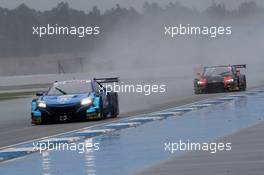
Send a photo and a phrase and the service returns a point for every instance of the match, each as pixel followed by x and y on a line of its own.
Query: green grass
pixel 14 95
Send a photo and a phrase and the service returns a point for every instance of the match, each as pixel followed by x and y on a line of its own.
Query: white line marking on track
pixel 146 118
pixel 62 139
pixel 96 131
pixel 125 124
pixel 166 113
pixel 10 150
pixel 201 105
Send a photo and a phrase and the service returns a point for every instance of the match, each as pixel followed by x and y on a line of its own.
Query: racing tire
pixel 102 113
pixel 243 86
pixel 197 92
pixel 44 121
pixel 113 104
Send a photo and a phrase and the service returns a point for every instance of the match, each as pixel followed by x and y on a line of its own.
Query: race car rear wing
pixel 100 81
pixel 240 66
pixel 106 80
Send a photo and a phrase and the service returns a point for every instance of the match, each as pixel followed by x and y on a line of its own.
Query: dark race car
pixel 75 100
pixel 220 79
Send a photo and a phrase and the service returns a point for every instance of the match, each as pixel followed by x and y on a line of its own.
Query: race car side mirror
pixel 39 94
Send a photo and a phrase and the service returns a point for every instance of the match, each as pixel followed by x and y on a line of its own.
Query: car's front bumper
pixel 50 114
pixel 217 87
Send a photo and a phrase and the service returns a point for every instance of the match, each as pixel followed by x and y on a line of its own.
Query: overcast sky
pixel 103 4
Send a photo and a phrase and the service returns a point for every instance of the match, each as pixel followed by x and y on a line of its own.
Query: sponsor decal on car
pixel 64 98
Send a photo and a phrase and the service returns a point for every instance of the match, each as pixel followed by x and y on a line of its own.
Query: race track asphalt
pixel 16 127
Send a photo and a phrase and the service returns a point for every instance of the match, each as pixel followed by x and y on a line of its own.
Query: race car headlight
pixel 86 101
pixel 202 82
pixel 42 104
pixel 230 80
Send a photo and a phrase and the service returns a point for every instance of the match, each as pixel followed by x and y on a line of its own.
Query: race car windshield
pixel 217 71
pixel 70 88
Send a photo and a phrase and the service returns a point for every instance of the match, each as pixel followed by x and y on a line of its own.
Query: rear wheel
pixel 113 104
pixel 102 113
pixel 243 84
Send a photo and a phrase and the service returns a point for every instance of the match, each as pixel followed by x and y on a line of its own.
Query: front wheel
pixel 42 121
pixel 196 92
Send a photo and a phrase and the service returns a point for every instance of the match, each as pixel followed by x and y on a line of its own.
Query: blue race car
pixel 75 100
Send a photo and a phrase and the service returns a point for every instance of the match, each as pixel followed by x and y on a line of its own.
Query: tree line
pixel 16 39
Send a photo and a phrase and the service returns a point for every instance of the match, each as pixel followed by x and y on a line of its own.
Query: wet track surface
pixel 15 126
pixel 246 157
pixel 137 144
